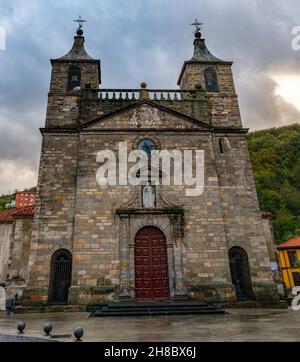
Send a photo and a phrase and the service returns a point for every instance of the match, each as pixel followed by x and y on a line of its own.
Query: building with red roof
pixel 15 238
pixel 8 216
pixel 289 257
pixel 291 244
pixel 25 198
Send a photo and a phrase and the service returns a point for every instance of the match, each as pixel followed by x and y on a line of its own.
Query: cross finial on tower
pixel 197 24
pixel 80 21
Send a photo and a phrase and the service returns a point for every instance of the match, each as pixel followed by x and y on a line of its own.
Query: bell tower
pixel 215 77
pixel 70 74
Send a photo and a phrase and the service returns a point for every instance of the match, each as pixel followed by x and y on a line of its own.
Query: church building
pixel 92 243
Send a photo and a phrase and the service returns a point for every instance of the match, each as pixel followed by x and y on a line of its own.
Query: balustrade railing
pixel 135 94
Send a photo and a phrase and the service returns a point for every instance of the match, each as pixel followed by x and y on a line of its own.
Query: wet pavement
pixel 18 339
pixel 241 325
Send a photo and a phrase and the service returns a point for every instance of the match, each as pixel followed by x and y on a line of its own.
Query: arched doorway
pixel 151 265
pixel 60 277
pixel 240 273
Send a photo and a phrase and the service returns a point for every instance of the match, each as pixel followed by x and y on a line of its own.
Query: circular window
pixel 147 146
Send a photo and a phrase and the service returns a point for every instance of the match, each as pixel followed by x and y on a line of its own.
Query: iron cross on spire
pixel 80 21
pixel 197 24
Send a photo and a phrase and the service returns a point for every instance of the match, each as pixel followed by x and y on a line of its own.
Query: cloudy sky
pixel 141 40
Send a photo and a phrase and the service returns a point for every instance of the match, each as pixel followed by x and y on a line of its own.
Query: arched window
pixel 74 77
pixel 60 277
pixel 211 80
pixel 240 273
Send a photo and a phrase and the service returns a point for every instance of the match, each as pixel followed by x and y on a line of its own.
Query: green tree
pixel 275 155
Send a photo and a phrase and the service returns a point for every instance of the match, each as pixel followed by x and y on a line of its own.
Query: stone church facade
pixel 94 243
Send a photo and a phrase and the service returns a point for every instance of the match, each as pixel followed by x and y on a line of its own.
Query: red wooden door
pixel 151 265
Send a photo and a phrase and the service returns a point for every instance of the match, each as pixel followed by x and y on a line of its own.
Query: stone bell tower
pixel 74 71
pixel 215 76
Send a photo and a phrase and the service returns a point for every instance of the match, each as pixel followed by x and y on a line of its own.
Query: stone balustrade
pixel 136 94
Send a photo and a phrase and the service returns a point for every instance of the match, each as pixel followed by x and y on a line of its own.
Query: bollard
pixel 78 333
pixel 21 327
pixel 48 328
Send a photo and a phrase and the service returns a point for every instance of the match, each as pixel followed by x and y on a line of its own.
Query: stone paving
pixel 18 339
pixel 251 325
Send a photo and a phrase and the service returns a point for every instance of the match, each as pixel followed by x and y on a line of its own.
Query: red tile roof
pixel 24 211
pixel 291 244
pixel 7 217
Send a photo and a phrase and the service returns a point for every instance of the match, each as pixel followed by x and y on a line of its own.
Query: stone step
pixel 160 308
pixel 140 305
pixel 128 313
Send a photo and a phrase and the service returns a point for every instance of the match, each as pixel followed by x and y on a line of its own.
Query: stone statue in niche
pixel 148 196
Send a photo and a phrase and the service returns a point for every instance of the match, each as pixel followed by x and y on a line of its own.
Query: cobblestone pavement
pixel 237 325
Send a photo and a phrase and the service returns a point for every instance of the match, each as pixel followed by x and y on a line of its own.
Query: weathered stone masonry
pixel 98 225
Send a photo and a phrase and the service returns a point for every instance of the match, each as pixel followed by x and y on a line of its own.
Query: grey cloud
pixel 138 40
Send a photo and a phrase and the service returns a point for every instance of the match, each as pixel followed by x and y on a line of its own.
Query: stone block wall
pixel 224 104
pixel 244 225
pixel 15 238
pixel 77 214
pixel 96 241
pixel 54 223
pixel 194 104
pixel 5 243
pixel 20 246
pixel 63 105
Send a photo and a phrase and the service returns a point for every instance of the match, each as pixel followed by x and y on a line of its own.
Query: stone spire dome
pixel 78 51
pixel 201 53
pixel 74 71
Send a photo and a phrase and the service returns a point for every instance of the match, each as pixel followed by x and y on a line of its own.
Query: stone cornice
pixel 58 130
pixel 169 210
pixel 73 130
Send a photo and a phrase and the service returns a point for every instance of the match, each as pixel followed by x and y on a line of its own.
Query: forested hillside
pixel 275 155
pixel 4 199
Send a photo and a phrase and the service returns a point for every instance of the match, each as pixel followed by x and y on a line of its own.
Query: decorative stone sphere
pixel 79 32
pixel 144 85
pixel 21 327
pixel 78 333
pixel 48 328
pixel 198 35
